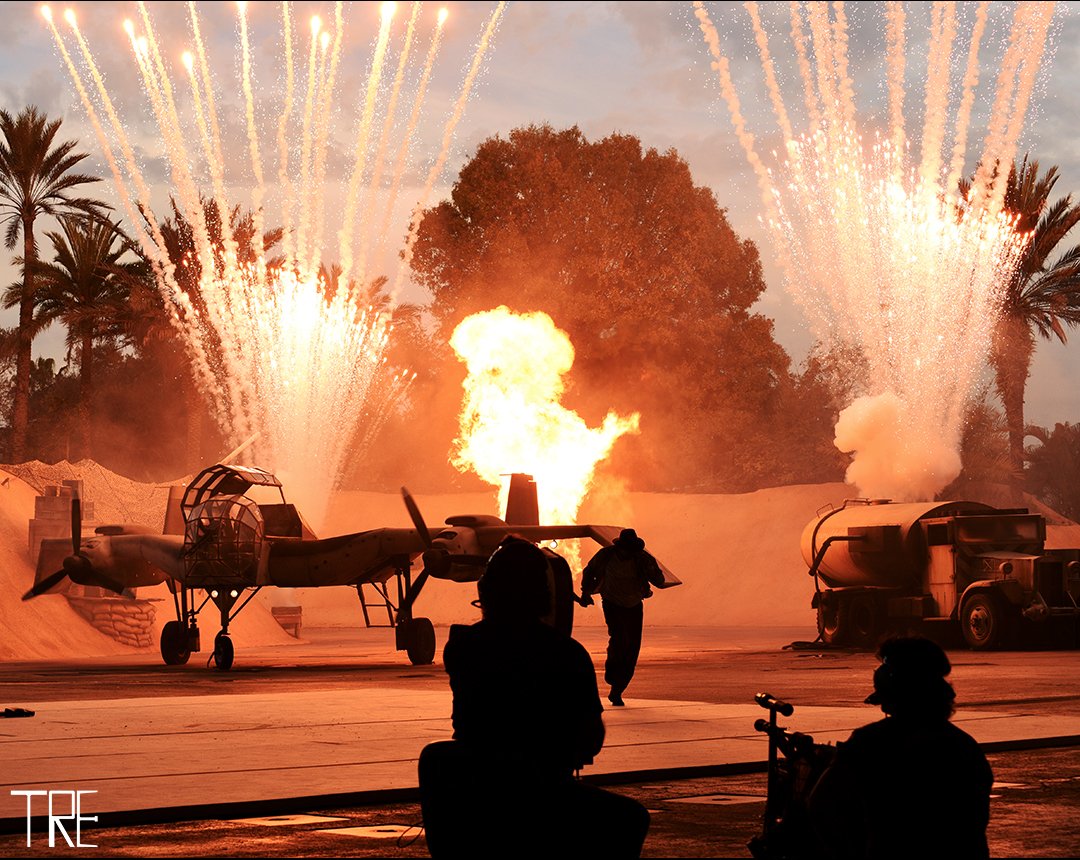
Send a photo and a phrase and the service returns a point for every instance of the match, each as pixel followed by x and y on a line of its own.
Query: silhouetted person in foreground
pixel 622 573
pixel 526 716
pixel 912 784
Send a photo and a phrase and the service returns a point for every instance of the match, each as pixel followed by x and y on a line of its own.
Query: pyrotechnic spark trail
pixel 410 127
pixel 345 236
pixel 307 200
pixel 879 248
pixel 284 179
pixel 327 103
pixel 384 137
pixel 208 84
pixel 163 267
pixel 275 352
pixel 448 137
pixel 971 81
pixel 258 192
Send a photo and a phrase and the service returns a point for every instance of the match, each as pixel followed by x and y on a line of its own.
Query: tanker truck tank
pixel 874 543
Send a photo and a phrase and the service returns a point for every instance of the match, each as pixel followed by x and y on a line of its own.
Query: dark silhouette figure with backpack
pixel 912 784
pixel 526 716
pixel 622 573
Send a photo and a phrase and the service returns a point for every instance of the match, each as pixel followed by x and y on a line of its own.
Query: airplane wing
pixel 114 529
pixel 113 561
pixel 368 556
pixel 603 535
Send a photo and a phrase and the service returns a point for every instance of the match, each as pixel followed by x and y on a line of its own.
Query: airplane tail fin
pixel 521 505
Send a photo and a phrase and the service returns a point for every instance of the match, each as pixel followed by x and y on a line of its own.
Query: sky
pixel 638 68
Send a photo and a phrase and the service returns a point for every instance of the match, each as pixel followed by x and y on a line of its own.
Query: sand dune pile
pixel 42 628
pixel 116 499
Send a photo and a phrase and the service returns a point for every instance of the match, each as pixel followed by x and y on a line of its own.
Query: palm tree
pixel 1041 296
pixel 86 288
pixel 35 179
pixel 1054 467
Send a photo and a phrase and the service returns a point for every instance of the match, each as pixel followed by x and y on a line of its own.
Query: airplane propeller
pixel 438 559
pixel 76 566
pixel 434 559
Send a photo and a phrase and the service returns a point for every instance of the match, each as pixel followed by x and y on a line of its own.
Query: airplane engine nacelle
pixel 224 541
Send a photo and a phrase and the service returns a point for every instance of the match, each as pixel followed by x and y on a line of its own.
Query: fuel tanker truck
pixel 879 565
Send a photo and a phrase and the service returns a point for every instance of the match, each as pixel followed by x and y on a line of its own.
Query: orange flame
pixel 511 418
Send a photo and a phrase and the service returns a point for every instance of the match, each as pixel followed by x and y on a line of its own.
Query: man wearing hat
pixel 912 784
pixel 622 573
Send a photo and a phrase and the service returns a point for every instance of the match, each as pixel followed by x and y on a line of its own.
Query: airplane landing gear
pixel 417 636
pixel 223 651
pixel 414 636
pixel 175 647
pixel 180 638
pixel 222 658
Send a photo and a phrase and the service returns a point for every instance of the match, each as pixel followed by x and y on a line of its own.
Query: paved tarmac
pixel 155 754
pixel 223 748
pixel 1033 813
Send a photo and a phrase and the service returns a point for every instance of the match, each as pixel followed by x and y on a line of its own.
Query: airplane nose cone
pixel 76 564
pixel 436 563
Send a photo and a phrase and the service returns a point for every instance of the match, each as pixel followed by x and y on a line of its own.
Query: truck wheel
pixel 863 620
pixel 984 621
pixel 830 623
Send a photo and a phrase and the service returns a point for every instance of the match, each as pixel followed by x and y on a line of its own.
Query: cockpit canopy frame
pixel 225 480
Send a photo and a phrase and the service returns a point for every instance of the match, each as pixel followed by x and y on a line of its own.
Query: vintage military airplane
pixel 231 544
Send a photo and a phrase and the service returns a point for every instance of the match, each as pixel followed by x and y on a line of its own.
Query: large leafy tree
pixel 86 288
pixel 36 178
pixel 642 269
pixel 1042 297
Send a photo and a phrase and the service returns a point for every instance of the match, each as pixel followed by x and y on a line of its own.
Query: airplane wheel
pixel 420 642
pixel 223 652
pixel 175 649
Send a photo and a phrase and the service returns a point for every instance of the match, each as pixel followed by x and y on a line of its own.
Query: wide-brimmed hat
pixel 628 539
pixel 911 668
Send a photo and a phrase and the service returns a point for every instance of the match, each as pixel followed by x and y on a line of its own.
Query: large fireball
pixel 511 417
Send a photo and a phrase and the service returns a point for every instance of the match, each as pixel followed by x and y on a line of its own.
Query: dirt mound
pixel 47 626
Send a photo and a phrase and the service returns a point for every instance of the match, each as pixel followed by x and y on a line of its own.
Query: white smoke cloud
pixel 897 455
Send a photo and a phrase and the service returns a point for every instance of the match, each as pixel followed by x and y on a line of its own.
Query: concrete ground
pixel 1033 814
pixel 332 728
